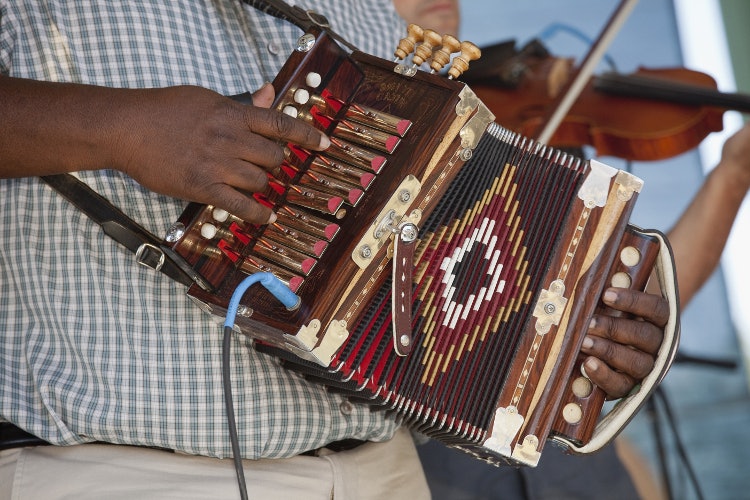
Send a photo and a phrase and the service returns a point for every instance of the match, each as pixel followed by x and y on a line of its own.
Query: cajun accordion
pixel 447 268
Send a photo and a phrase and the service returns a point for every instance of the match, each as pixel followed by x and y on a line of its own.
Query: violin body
pixel 632 128
pixel 628 123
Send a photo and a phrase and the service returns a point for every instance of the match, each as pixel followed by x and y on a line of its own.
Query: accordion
pixel 447 268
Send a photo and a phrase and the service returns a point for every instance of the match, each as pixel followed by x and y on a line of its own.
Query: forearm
pixel 699 236
pixel 57 127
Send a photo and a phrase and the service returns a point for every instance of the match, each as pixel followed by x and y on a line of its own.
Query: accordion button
pixel 208 231
pixel 572 413
pixel 220 215
pixel 621 280
pixel 582 387
pixel 301 96
pixel 630 256
pixel 313 79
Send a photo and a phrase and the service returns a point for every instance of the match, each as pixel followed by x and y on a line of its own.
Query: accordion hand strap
pixel 614 421
pixel 404 244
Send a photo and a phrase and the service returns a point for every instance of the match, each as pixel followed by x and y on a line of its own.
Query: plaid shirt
pixel 96 347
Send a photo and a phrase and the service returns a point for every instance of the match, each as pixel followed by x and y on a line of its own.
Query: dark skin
pixel 186 142
pixel 194 144
pixel 627 346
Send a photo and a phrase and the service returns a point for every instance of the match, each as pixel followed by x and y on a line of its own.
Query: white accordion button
pixel 313 79
pixel 208 231
pixel 301 96
pixel 621 280
pixel 630 256
pixel 572 413
pixel 291 111
pixel 220 215
pixel 582 387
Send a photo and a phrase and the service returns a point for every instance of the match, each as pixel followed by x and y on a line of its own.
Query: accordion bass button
pixel 220 215
pixel 582 387
pixel 301 96
pixel 621 280
pixel 630 256
pixel 572 413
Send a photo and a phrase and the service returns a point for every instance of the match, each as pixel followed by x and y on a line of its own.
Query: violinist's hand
pixel 194 144
pixel 622 351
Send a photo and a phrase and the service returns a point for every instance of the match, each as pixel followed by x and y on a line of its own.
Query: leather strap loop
pixel 404 245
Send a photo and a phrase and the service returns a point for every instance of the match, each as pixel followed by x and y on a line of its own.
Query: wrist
pixel 732 176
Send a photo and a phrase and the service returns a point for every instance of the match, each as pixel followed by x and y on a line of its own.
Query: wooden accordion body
pixel 516 243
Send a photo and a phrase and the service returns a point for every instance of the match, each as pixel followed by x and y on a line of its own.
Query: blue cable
pixel 271 283
pixel 291 301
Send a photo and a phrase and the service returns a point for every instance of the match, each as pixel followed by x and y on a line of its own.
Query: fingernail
pixel 271 218
pixel 324 142
pixel 610 296
pixel 592 323
pixel 588 342
pixel 592 364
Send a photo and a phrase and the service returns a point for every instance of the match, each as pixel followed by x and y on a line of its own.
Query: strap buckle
pixel 151 256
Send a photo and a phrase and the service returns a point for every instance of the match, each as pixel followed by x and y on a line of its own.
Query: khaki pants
pixel 93 471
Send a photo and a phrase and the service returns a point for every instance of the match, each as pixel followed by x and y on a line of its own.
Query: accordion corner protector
pixel 309 345
pixel 475 127
pixel 628 184
pixel 505 428
pixel 527 452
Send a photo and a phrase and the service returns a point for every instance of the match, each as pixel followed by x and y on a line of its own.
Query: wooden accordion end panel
pixel 397 141
pixel 516 243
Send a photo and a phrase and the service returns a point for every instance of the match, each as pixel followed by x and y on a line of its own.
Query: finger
pixel 615 384
pixel 653 308
pixel 619 357
pixel 274 125
pixel 239 204
pixel 639 334
pixel 245 176
pixel 255 151
pixel 263 97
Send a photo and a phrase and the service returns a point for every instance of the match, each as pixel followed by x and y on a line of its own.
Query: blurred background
pixel 707 389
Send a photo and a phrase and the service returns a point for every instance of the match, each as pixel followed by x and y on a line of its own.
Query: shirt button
pixel 273 48
pixel 346 408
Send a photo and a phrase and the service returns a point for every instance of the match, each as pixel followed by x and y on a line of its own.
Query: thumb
pixel 263 97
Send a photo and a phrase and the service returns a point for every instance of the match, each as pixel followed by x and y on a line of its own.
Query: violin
pixel 651 114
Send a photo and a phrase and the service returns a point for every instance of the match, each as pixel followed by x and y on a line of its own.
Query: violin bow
pixel 574 88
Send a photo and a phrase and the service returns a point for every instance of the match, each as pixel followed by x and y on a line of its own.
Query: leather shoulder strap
pixel 149 250
pixel 304 19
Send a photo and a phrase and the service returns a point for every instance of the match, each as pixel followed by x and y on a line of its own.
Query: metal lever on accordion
pixel 614 422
